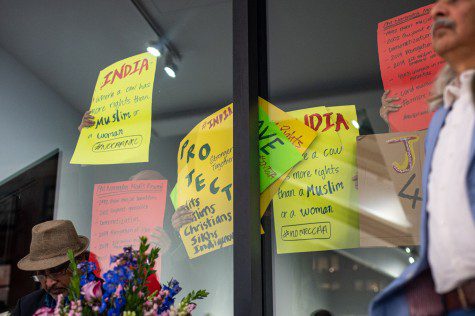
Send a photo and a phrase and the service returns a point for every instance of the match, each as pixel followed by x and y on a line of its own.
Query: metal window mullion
pixel 247 241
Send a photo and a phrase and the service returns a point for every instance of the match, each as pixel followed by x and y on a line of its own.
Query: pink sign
pixel 408 65
pixel 122 212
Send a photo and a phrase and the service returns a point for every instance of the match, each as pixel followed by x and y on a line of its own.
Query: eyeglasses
pixel 53 273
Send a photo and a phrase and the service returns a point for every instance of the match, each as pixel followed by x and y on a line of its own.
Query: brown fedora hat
pixel 50 242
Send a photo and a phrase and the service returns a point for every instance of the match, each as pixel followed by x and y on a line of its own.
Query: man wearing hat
pixel 48 260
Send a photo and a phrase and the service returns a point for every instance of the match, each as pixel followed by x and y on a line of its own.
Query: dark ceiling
pixel 315 47
pixel 325 47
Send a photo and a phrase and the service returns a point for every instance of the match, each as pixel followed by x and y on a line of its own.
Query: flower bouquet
pixel 123 290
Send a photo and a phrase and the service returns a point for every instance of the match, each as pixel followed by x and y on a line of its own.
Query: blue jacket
pixel 392 301
pixel 30 303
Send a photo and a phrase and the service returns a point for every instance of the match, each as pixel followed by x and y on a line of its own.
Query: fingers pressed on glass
pixel 392 99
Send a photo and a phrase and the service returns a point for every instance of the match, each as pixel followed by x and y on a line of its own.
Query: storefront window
pixel 117 187
pixel 123 119
pixel 346 217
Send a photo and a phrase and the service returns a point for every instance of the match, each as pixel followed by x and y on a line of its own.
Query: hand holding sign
pixel 160 238
pixel 87 120
pixel 387 106
pixel 182 216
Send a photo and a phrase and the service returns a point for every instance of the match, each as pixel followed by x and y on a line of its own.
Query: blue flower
pixel 113 259
pixel 113 312
pixel 87 272
pixel 174 285
pixel 103 306
pixel 173 289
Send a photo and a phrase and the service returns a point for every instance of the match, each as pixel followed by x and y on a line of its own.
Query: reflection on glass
pixel 354 227
pixel 49 93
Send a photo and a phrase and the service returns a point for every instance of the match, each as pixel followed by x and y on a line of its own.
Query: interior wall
pixel 35 121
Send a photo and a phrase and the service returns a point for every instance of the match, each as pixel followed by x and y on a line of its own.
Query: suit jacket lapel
pixel 431 141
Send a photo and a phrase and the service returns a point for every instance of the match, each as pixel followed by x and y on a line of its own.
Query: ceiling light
pixel 411 260
pixel 355 124
pixel 170 70
pixel 408 250
pixel 170 67
pixel 154 49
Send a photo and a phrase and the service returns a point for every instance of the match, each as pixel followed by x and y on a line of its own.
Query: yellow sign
pixel 314 209
pixel 300 135
pixel 122 110
pixel 205 183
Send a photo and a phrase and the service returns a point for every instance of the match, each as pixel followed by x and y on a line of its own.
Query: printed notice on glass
pixel 315 207
pixel 122 212
pixel 205 183
pixel 389 188
pixel 408 66
pixel 122 110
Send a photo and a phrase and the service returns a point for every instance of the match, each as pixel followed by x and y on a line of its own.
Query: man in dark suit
pixel 48 259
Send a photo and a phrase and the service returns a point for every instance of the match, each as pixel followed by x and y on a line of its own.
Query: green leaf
pixel 192 297
pixel 74 287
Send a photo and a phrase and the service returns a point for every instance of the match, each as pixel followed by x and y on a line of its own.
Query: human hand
pixel 87 120
pixel 160 238
pixel 182 216
pixel 387 106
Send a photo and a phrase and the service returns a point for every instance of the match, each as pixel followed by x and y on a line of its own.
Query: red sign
pixel 122 212
pixel 408 66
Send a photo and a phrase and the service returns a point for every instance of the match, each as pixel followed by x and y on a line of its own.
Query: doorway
pixel 26 199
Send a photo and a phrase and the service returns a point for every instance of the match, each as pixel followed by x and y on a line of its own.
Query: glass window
pixel 51 56
pixel 345 224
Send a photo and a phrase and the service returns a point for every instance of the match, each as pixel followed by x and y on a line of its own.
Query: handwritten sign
pixel 122 107
pixel 122 212
pixel 296 132
pixel 205 183
pixel 314 208
pixel 389 185
pixel 174 197
pixel 276 152
pixel 408 66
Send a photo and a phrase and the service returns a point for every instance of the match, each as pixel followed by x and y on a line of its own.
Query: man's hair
pixel 444 78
